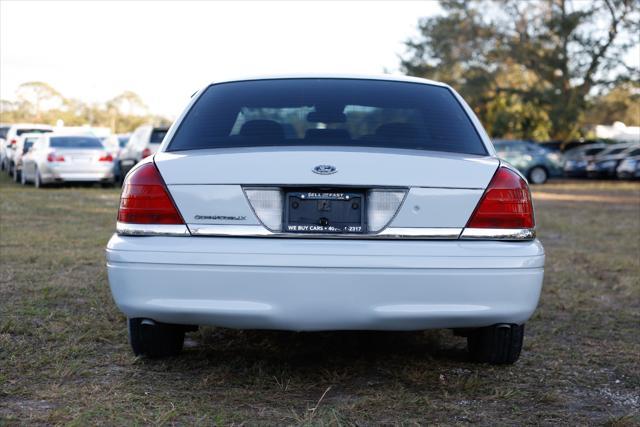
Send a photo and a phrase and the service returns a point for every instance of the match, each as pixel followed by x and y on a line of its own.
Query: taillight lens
pixel 106 158
pixel 145 199
pixel 13 142
pixel 146 153
pixel 53 157
pixel 505 204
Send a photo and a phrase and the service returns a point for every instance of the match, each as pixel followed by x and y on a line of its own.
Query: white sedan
pixel 57 158
pixel 327 203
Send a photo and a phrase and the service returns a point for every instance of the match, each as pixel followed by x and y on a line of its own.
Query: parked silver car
pixel 605 164
pixel 577 159
pixel 144 141
pixel 9 135
pixel 58 158
pixel 24 144
pixel 629 168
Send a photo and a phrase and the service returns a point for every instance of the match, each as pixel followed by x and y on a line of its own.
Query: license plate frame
pixel 337 207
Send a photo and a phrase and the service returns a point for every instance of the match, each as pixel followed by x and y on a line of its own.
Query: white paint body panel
pixel 357 166
pixel 213 204
pixel 437 207
pixel 309 285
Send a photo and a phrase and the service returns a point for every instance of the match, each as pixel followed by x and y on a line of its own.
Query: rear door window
pixel 328 112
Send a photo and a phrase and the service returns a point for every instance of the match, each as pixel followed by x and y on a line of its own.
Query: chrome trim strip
pixel 127 229
pixel 260 231
pixel 419 233
pixel 498 234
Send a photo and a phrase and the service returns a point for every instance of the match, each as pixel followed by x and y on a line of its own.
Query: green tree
pixel 37 97
pixel 621 104
pixel 529 68
pixel 38 102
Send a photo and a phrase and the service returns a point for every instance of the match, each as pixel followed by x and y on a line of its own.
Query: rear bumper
pixel 289 284
pixel 51 176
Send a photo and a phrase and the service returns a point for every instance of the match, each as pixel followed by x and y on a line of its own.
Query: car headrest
pixel 262 128
pixel 398 130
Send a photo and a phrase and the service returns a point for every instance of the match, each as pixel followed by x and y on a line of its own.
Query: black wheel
pixel 155 339
pixel 538 175
pixel 16 174
pixel 497 344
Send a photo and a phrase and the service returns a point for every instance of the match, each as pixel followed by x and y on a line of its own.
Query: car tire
pixel 538 175
pixel 16 174
pixel 154 339
pixel 497 344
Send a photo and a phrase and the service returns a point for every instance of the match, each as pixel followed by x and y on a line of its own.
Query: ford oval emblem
pixel 325 169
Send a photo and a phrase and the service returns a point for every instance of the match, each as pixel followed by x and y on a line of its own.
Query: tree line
pixel 39 102
pixel 539 70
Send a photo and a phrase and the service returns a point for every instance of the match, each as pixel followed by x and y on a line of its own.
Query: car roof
pixel 624 146
pixel 632 147
pixel 384 77
pixel 33 134
pixel 30 125
pixel 72 134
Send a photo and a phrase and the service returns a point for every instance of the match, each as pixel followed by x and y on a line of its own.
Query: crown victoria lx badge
pixel 325 169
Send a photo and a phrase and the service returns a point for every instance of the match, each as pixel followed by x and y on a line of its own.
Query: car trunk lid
pixel 355 166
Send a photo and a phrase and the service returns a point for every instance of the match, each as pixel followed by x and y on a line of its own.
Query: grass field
pixel 64 356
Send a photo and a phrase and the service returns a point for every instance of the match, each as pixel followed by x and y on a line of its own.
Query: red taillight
pixel 13 142
pixel 53 157
pixel 145 199
pixel 505 204
pixel 146 153
pixel 106 158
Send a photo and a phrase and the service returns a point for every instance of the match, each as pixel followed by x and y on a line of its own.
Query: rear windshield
pixel 592 151
pixel 3 132
pixel 23 130
pixel 75 142
pixel 328 112
pixel 157 135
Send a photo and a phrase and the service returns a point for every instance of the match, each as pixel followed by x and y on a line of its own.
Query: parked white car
pixel 4 129
pixel 11 135
pixel 143 142
pixel 25 142
pixel 327 203
pixel 59 158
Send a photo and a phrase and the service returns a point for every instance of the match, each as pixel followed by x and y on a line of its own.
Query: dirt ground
pixel 64 356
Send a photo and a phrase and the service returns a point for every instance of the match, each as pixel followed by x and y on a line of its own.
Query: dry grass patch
pixel 64 356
